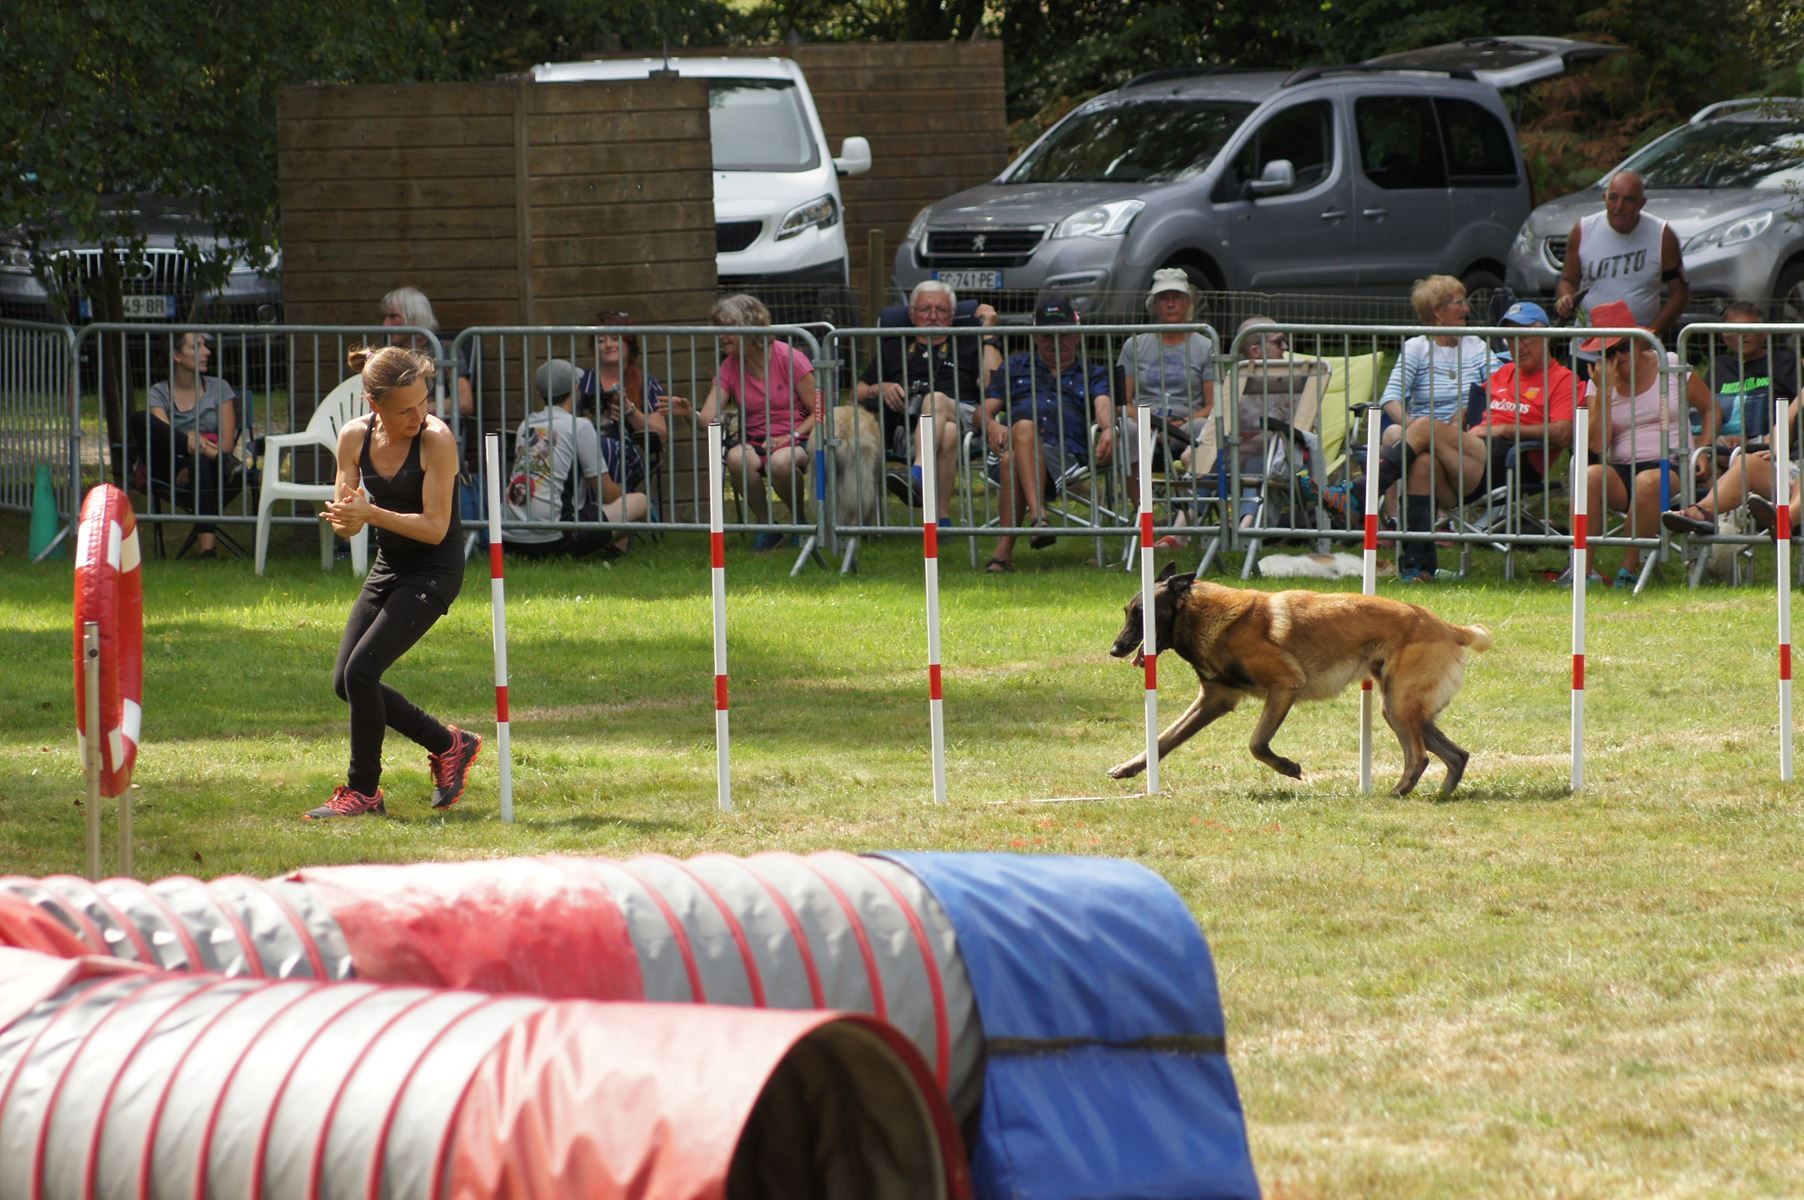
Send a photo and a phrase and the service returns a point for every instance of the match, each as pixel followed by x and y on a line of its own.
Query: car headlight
pixel 917 227
pixel 16 259
pixel 823 211
pixel 1105 220
pixel 1732 232
pixel 1525 237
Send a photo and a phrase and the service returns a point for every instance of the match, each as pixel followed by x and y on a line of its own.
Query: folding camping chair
pixel 1275 408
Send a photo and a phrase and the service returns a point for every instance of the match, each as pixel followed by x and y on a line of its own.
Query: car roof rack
pixel 1309 73
pixel 1725 106
pixel 1168 73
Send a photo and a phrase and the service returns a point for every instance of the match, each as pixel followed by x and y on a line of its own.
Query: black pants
pixel 196 482
pixel 382 628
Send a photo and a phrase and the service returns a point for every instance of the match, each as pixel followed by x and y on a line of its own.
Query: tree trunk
pixel 106 297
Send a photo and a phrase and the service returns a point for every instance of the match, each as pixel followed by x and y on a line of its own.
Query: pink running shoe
pixel 347 803
pixel 448 769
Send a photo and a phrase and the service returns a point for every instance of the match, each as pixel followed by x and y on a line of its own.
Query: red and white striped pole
pixel 930 549
pixel 1581 569
pixel 1368 585
pixel 1149 637
pixel 498 621
pixel 717 551
pixel 1782 504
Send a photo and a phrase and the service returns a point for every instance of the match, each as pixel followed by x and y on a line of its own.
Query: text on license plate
pixel 146 308
pixel 988 281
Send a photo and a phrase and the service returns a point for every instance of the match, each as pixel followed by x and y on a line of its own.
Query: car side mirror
pixel 1277 178
pixel 854 157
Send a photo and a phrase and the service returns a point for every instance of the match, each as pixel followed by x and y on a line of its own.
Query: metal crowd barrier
pixel 1747 380
pixel 39 425
pixel 889 374
pixel 102 376
pixel 1485 511
pixel 1258 470
pixel 653 434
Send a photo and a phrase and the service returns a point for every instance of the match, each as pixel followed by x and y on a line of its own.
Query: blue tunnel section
pixel 1106 1069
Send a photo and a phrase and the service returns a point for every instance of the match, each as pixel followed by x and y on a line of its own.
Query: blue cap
pixel 1525 312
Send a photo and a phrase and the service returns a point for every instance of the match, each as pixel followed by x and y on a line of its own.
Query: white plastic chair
pixel 340 405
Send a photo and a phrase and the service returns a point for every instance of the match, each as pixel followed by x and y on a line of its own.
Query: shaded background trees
pixel 181 103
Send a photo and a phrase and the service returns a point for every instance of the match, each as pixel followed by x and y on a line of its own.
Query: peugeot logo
pixel 135 268
pixel 977 243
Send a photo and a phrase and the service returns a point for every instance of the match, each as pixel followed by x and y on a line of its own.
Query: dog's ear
pixel 1176 585
pixel 1171 569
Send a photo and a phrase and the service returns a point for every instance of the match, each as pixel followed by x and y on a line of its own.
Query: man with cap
pixel 558 471
pixel 1529 404
pixel 1051 396
pixel 1622 254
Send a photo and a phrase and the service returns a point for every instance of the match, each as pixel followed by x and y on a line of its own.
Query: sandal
pixel 999 566
pixel 1690 519
pixel 1040 541
pixel 1171 541
pixel 1766 517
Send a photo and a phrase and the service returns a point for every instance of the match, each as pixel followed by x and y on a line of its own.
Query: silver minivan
pixel 1328 179
pixel 1729 182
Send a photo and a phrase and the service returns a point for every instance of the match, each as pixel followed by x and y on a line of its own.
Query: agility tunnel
pixel 120 1081
pixel 1066 1007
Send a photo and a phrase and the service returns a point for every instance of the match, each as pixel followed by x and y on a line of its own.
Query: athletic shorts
pixel 1627 472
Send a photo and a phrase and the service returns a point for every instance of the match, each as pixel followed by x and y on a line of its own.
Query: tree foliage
pixel 104 100
pixel 1682 55
pixel 179 102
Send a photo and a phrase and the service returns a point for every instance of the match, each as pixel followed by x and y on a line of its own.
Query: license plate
pixel 148 308
pixel 983 281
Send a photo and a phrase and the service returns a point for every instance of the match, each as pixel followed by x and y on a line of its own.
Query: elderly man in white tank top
pixel 1620 254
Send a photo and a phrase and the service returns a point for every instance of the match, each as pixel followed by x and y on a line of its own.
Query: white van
pixel 778 217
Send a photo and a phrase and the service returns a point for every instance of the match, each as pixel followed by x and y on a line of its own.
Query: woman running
pixel 396 468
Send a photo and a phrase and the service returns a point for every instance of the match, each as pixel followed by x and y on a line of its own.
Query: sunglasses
pixel 615 316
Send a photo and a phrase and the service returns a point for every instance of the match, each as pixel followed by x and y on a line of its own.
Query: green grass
pixel 1517 993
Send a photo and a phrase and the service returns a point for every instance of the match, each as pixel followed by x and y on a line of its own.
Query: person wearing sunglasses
pixel 1638 425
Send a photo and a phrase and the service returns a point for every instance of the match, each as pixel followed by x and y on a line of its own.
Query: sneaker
pixel 1346 499
pixel 450 768
pixel 1625 578
pixel 766 542
pixel 1592 578
pixel 347 803
pixel 1416 575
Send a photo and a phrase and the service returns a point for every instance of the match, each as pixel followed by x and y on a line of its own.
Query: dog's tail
pixel 1475 636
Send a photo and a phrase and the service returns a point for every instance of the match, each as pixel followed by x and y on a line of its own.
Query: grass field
pixel 1520 992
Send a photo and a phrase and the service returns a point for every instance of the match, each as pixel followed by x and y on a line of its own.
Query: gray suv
pixel 158 281
pixel 1728 181
pixel 1329 179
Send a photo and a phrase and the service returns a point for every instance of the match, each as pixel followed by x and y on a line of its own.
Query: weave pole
pixel 717 557
pixel 1581 567
pixel 1148 618
pixel 1782 530
pixel 930 551
pixel 498 620
pixel 1368 586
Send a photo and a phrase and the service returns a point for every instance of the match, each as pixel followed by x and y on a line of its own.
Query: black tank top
pixel 440 565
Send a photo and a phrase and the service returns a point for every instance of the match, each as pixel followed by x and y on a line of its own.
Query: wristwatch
pixel 993 341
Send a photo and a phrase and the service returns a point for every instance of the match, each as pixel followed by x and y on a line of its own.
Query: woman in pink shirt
pixel 772 383
pixel 1643 428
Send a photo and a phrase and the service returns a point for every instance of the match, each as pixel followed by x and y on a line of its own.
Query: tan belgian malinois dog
pixel 1300 645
